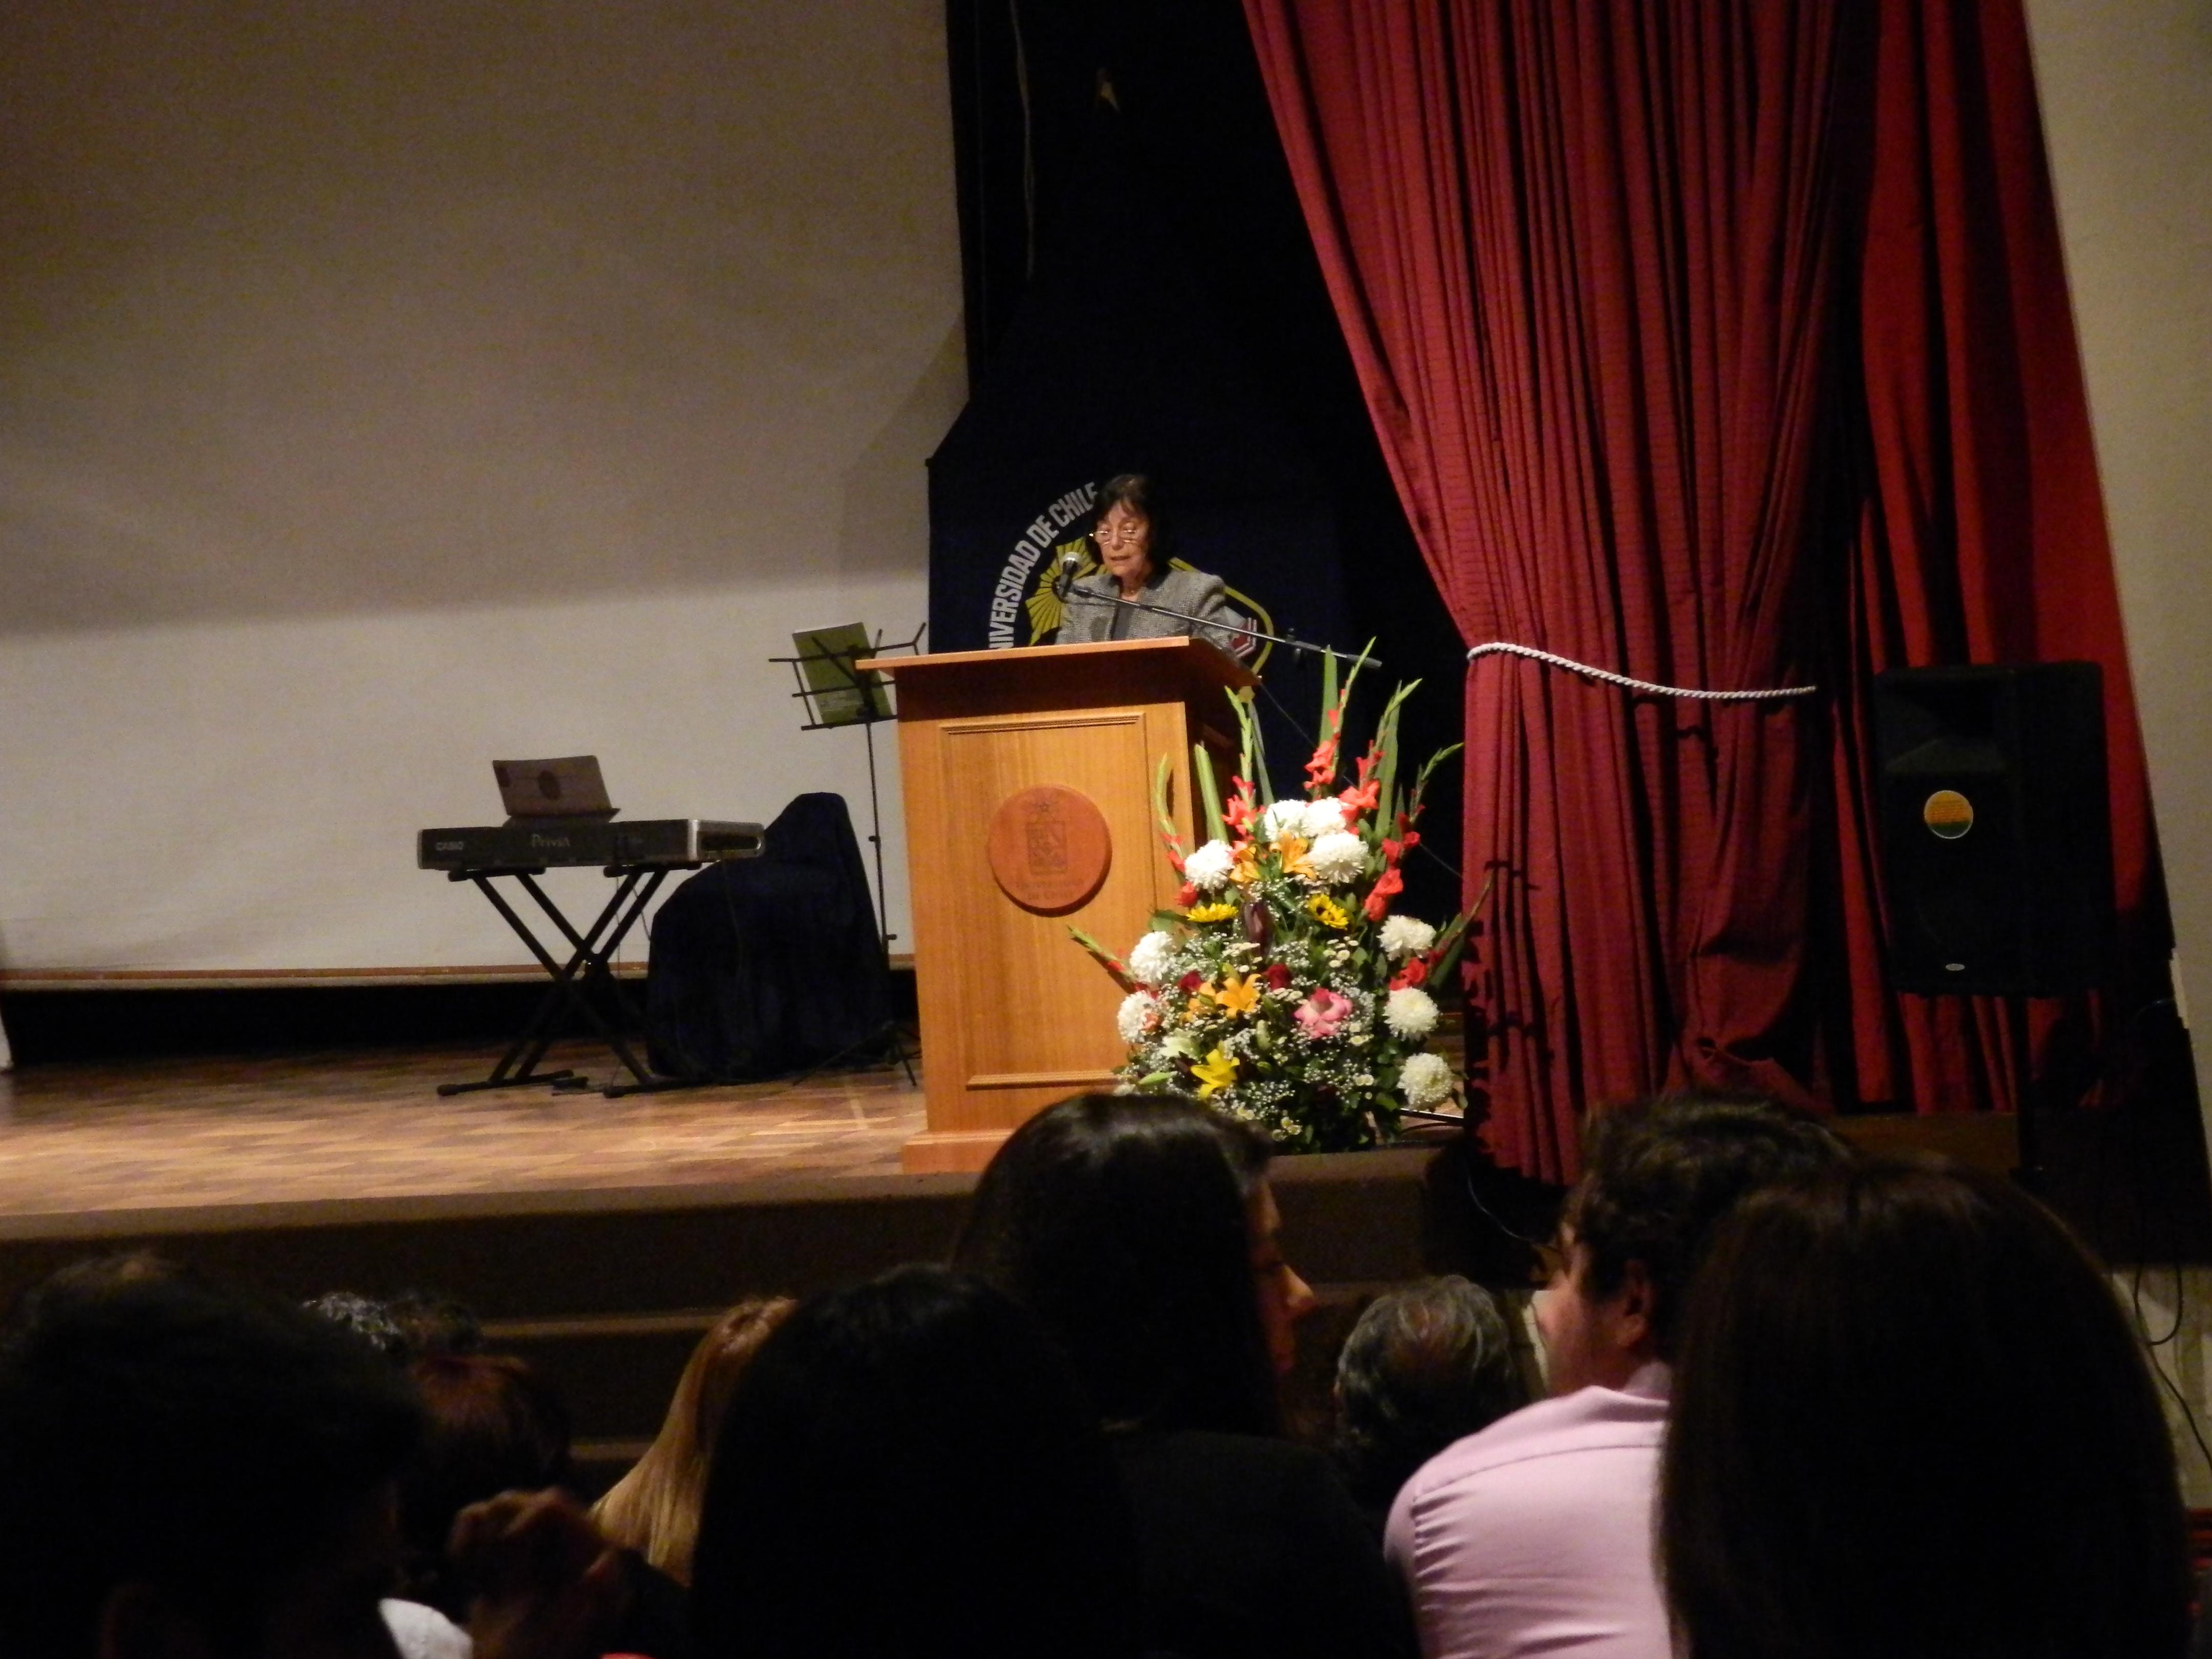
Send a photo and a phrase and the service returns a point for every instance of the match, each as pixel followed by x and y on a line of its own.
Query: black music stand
pixel 834 692
pixel 588 973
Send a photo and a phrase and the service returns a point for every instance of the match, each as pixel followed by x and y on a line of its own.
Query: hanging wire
pixel 1029 145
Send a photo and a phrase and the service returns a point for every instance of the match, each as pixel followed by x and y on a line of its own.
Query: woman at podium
pixel 1130 535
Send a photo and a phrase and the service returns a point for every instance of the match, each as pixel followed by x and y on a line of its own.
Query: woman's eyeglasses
pixel 1128 530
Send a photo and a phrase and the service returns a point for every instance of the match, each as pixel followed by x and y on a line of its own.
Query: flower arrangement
pixel 1285 989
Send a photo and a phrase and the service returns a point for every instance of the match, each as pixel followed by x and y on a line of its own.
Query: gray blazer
pixel 1194 592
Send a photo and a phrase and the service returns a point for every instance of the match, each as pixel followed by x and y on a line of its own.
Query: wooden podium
pixel 1028 782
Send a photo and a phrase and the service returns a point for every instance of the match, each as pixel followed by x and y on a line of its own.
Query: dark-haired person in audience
pixel 1427 1363
pixel 189 1469
pixel 432 1324
pixel 494 1426
pixel 1535 1536
pixel 908 1468
pixel 491 1426
pixel 1911 1420
pixel 1142 1231
pixel 410 1325
pixel 367 1318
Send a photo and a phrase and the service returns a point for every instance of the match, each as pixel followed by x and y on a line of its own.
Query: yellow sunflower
pixel 1327 911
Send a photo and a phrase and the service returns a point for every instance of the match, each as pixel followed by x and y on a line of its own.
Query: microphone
pixel 1064 578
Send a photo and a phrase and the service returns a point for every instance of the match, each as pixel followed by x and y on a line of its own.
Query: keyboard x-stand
pixel 638 856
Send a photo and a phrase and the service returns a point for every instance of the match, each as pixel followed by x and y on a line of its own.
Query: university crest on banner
pixel 1119 360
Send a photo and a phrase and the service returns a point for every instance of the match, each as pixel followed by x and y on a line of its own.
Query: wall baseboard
pixel 241 979
pixel 125 1016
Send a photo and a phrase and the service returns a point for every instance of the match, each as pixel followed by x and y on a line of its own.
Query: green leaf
pixel 1386 737
pixel 1170 830
pixel 1201 767
pixel 1105 959
pixel 1254 748
pixel 1421 782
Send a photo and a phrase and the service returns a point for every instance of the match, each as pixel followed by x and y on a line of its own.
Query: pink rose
pixel 1321 1014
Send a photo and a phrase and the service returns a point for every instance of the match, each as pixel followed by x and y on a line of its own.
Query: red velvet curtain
pixel 1584 252
pixel 1649 298
pixel 1982 537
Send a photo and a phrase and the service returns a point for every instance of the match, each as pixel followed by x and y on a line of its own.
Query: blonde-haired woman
pixel 654 1509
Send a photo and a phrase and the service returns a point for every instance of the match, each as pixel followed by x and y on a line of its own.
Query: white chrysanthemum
pixel 1208 868
pixel 1411 1013
pixel 1403 935
pixel 1424 1079
pixel 1283 818
pixel 1317 818
pixel 1148 961
pixel 1337 857
pixel 1130 1019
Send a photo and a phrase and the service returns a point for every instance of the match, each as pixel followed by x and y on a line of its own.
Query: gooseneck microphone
pixel 1064 578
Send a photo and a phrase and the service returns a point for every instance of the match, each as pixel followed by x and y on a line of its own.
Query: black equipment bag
pixel 767 965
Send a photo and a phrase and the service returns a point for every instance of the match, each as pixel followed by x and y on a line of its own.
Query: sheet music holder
pixel 835 691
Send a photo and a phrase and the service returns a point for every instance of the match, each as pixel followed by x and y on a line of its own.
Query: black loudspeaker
pixel 1995 833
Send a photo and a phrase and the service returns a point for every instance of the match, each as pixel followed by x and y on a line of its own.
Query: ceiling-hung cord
pixel 1029 145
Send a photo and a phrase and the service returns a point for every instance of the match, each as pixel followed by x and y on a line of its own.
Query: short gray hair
pixel 1427 1364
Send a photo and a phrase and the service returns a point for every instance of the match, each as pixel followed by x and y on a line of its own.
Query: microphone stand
pixel 1304 647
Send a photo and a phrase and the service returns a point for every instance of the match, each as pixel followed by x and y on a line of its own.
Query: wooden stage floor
pixel 178 1134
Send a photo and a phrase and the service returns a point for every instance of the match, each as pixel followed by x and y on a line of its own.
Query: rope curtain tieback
pixel 1624 682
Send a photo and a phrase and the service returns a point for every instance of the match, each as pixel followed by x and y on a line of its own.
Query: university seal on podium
pixel 1049 849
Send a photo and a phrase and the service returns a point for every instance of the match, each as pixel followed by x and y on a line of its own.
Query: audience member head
pixel 368 1319
pixel 909 1467
pixel 1657 1177
pixel 1427 1364
pixel 491 1424
pixel 1910 1420
pixel 185 1467
pixel 431 1323
pixel 1141 1229
pixel 654 1509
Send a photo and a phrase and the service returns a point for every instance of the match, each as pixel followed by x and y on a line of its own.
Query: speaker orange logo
pixel 1947 814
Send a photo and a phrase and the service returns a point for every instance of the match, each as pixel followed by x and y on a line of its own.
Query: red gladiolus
pixel 1187 895
pixel 1278 976
pixel 1242 808
pixel 1414 973
pixel 1378 901
pixel 1368 789
pixel 1191 981
pixel 1320 770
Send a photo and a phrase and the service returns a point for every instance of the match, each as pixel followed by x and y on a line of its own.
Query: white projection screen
pixel 387 385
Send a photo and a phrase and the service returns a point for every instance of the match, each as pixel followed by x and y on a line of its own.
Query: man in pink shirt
pixel 1535 1536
